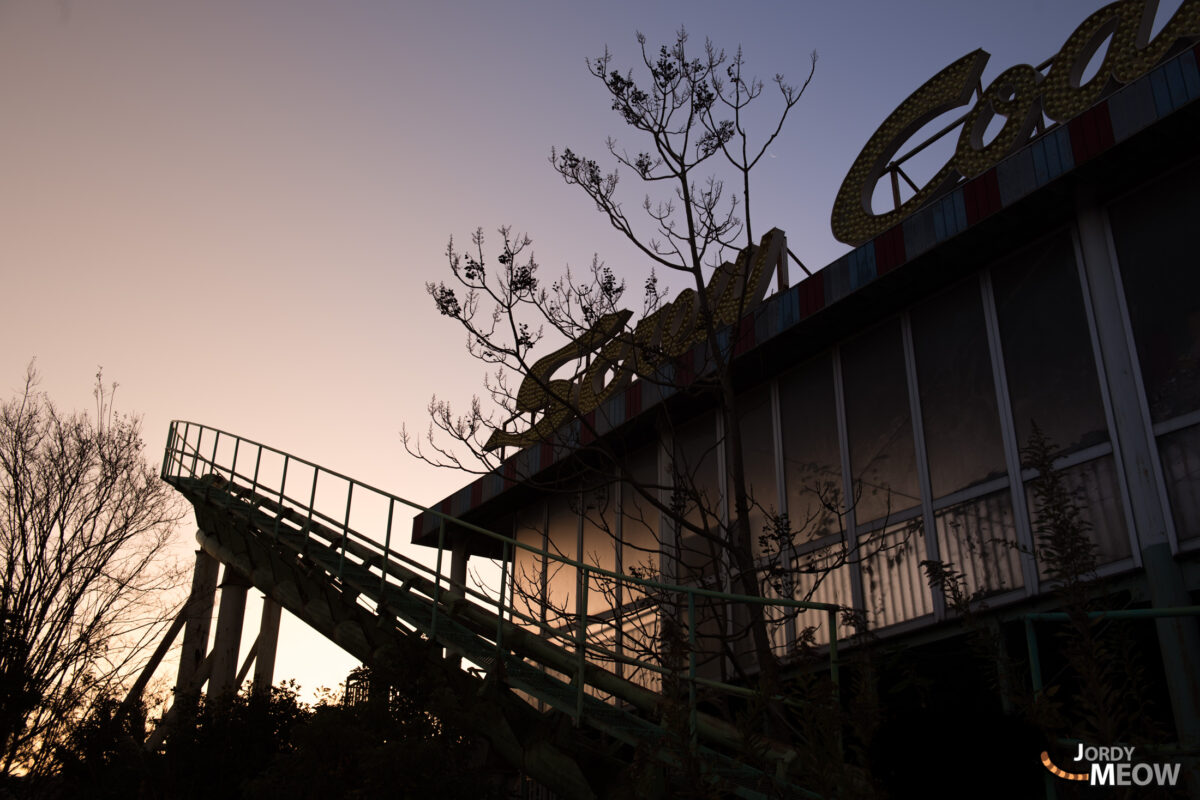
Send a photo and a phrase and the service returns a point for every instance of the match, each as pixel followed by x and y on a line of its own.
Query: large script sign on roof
pixel 1020 95
pixel 614 355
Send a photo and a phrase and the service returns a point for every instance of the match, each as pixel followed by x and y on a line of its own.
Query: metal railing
pixel 304 499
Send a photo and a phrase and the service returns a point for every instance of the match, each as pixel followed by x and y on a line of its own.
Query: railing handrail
pixel 593 569
pixel 552 651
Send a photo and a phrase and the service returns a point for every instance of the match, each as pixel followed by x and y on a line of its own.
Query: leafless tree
pixel 87 580
pixel 691 116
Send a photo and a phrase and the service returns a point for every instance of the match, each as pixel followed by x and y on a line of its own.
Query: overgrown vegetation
pixel 260 746
pixel 1098 688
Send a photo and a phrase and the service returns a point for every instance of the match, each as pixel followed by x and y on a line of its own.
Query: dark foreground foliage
pixel 254 747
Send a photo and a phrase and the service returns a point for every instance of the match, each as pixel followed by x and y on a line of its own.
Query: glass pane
pixel 697 495
pixel 879 424
pixel 1180 452
pixel 640 638
pixel 600 545
pixel 894 584
pixel 1154 232
pixel 979 538
pixel 563 541
pixel 1097 493
pixel 822 576
pixel 958 395
pixel 1052 376
pixel 529 568
pixel 758 461
pixel 640 518
pixel 811 456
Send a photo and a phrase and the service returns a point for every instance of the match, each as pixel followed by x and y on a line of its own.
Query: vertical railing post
pixel 500 604
pixel 581 608
pixel 312 501
pixel 257 465
pixel 345 530
pixel 1035 665
pixel 692 666
pixel 187 434
pixel 831 619
pixel 833 655
pixel 283 479
pixel 237 443
pixel 167 453
pixel 1035 673
pixel 437 577
pixel 387 551
pixel 282 487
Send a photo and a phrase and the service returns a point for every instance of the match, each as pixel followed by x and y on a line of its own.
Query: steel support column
pixel 268 639
pixel 229 633
pixel 199 621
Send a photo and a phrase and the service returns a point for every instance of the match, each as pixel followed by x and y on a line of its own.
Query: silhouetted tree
pixel 690 115
pixel 85 586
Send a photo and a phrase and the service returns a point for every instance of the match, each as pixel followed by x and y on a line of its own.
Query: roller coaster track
pixel 544 700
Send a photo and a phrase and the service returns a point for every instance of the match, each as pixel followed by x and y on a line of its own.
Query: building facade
pixel 887 405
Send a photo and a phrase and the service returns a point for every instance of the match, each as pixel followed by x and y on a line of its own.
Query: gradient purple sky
pixel 233 206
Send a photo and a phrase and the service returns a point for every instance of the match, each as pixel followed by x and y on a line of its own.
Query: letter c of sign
pixel 539 392
pixel 853 221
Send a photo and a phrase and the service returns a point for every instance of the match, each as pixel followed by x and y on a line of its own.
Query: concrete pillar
pixel 229 633
pixel 199 619
pixel 268 639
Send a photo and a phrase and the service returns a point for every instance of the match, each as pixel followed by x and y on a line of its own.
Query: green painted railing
pixel 342 509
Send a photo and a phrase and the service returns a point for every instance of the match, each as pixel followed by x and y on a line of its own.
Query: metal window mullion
pixel 619 564
pixel 1008 435
pixel 914 408
pixel 726 567
pixel 544 588
pixel 1176 423
pixel 839 401
pixel 1150 430
pixel 668 530
pixel 972 492
pixel 788 556
pixel 1098 356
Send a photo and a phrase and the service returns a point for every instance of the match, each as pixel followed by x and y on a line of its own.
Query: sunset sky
pixel 233 206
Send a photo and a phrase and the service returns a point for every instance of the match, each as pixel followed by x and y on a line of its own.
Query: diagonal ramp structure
pixel 544 700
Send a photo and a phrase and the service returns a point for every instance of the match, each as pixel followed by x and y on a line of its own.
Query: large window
pixel 637 618
pixel 812 464
pixel 599 513
pixel 529 568
pixel 1052 379
pixel 958 396
pixel 1154 234
pixel 640 542
pixel 879 425
pixel 758 460
pixel 562 540
pixel 973 514
pixel 696 496
pixel 812 460
pixel 1054 385
pixel 886 494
